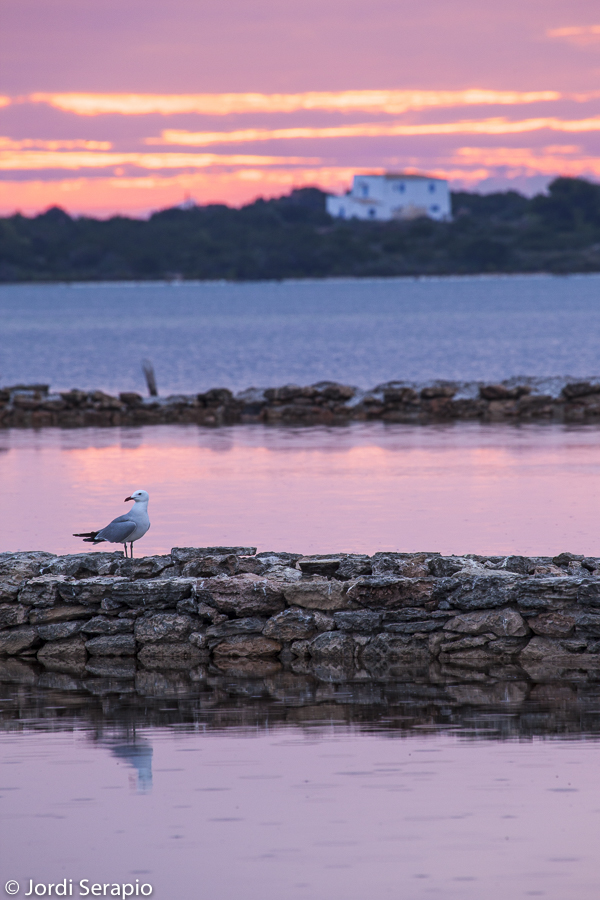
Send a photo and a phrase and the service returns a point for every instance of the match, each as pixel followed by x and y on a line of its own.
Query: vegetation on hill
pixel 293 237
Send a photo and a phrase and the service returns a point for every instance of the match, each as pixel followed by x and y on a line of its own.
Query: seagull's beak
pixel 127 498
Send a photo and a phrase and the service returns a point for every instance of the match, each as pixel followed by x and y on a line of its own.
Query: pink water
pixel 321 814
pixel 460 488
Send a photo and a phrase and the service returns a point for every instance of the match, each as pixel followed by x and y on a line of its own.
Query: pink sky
pixel 130 106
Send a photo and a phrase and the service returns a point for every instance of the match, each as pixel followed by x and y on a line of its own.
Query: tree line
pixel 294 237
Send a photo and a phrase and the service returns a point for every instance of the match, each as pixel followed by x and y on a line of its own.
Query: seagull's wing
pixel 117 531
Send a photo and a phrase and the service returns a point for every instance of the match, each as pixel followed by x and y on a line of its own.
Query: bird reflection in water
pixel 137 754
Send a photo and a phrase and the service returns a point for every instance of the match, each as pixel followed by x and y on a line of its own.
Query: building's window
pixel 401 187
pixel 372 213
pixel 342 213
pixel 431 188
pixel 364 189
pixel 434 208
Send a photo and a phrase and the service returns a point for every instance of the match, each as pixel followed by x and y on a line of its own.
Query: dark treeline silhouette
pixel 293 237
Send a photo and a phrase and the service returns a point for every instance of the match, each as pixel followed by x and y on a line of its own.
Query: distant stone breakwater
pixel 351 614
pixel 325 403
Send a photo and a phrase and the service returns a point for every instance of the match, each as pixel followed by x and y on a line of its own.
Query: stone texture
pixel 248 646
pixel 291 625
pixel 389 592
pixel 362 621
pixel 111 645
pixel 244 595
pixel 16 640
pixel 90 591
pixel 152 594
pixel 168 627
pixel 15 568
pixel 41 591
pixel 248 625
pixel 13 614
pixel 59 631
pixel 70 652
pixel 325 595
pixel 553 624
pixel 332 647
pixel 104 625
pixel 502 622
pixel 58 614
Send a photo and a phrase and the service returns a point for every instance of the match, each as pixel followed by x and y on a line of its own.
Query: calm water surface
pixel 207 785
pixel 461 488
pixel 361 332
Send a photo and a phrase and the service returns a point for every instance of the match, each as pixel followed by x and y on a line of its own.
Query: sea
pixel 265 782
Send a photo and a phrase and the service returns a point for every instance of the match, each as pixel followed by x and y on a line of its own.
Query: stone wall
pixel 231 605
pixel 326 403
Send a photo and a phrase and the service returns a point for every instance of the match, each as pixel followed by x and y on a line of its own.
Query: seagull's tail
pixel 89 537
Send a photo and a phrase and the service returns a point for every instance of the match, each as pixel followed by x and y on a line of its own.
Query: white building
pixel 393 196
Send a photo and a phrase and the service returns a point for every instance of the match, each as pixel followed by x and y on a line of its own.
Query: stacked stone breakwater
pixel 325 403
pixel 362 614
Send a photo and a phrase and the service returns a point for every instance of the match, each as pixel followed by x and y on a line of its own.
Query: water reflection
pixel 116 706
pixel 456 488
pixel 137 754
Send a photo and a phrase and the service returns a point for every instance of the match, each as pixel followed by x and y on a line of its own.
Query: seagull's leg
pixel 125 547
pixel 131 548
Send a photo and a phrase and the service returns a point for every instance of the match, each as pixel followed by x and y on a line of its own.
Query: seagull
pixel 124 529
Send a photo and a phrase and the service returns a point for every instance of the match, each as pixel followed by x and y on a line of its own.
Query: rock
pixel 89 591
pixel 244 595
pixel 41 591
pixel 408 565
pixel 521 565
pixel 13 614
pixel 58 614
pixel 585 621
pixel 59 631
pixel 157 593
pixel 249 625
pixel 466 643
pixel 105 625
pixel 169 627
pixel 247 646
pixel 18 639
pixel 111 645
pixel 543 649
pixel 186 554
pixel 501 622
pixel 563 559
pixel 319 565
pixel 323 621
pixel 209 566
pixel 333 647
pixel 352 566
pixel 147 567
pixel 198 640
pixel 291 625
pixel 171 655
pixel 388 592
pixel 301 649
pixel 325 595
pixel 17 567
pixel 445 566
pixel 68 652
pixel 284 573
pixel 362 621
pixel 84 565
pixel 553 624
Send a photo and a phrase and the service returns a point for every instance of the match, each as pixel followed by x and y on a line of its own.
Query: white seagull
pixel 124 529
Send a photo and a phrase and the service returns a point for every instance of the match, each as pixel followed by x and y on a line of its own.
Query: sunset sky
pixel 131 105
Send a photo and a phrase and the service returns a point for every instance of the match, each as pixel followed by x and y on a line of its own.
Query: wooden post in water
pixel 148 370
